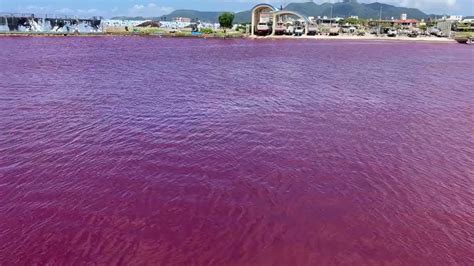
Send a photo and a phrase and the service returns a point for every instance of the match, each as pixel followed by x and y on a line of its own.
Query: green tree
pixel 226 20
pixel 351 21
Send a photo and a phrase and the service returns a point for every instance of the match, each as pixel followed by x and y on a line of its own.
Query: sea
pixel 170 151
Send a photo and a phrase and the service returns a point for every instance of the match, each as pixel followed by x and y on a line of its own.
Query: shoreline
pixel 360 38
pixel 124 34
pixel 424 39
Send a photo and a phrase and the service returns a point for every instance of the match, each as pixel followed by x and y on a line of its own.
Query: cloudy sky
pixel 108 8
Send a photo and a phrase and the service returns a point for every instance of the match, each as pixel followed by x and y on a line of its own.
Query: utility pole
pixel 330 22
pixel 380 21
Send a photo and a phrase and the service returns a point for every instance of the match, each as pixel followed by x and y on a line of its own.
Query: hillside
pixel 205 16
pixel 341 9
pixel 353 8
pixel 201 15
pixel 240 17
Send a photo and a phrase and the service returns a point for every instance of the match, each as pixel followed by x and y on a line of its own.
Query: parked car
pixel 360 32
pixel 391 33
pixel 299 31
pixel 413 34
pixel 264 28
pixel 280 28
pixel 437 32
pixel 312 29
pixel 334 31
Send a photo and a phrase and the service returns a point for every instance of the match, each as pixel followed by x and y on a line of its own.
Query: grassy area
pixel 137 32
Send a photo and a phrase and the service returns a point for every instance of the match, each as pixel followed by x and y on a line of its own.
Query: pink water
pixel 235 152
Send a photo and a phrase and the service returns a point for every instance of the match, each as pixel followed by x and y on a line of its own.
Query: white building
pixel 182 20
pixel 452 18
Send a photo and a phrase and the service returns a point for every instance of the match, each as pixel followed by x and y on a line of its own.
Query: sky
pixel 109 8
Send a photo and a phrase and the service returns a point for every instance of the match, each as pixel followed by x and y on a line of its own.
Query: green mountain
pixel 353 8
pixel 194 14
pixel 240 17
pixel 345 8
pixel 129 18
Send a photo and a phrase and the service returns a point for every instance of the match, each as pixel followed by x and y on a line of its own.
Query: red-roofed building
pixel 406 23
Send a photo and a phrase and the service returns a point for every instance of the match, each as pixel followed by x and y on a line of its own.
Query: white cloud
pixel 70 11
pixel 422 3
pixel 88 11
pixel 149 10
pixel 65 10
pixel 36 8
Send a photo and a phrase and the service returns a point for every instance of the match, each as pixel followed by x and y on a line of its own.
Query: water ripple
pixel 235 152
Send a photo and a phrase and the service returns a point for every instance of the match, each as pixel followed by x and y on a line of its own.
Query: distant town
pixel 263 20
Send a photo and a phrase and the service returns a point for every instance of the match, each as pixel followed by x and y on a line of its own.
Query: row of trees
pixel 226 21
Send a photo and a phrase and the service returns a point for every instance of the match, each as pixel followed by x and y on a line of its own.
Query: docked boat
pixel 464 32
pixel 437 32
pixel 464 38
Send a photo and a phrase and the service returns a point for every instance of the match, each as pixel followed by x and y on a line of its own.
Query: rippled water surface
pixel 235 152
